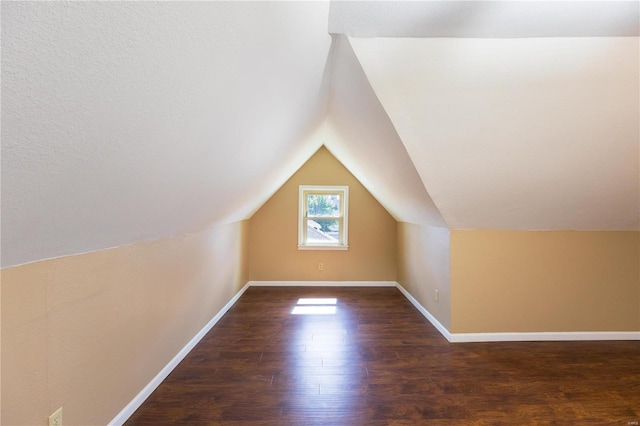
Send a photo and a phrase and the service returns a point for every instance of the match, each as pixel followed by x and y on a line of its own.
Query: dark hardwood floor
pixel 377 361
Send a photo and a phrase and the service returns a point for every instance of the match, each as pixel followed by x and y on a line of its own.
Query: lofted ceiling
pixel 485 19
pixel 526 134
pixel 131 121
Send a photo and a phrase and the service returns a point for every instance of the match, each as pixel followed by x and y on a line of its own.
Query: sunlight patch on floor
pixel 315 306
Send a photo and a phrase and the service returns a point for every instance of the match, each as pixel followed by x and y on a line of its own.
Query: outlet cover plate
pixel 56 418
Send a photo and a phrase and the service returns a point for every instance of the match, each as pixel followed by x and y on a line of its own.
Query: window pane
pixel 327 205
pixel 325 231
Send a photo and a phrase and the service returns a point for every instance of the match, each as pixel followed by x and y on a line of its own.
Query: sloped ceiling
pixel 517 133
pixel 130 121
pixel 516 115
pixel 361 136
pixel 485 19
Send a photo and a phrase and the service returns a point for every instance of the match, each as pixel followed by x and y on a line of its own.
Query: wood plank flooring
pixel 377 361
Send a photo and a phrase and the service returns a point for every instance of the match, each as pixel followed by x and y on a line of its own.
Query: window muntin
pixel 322 219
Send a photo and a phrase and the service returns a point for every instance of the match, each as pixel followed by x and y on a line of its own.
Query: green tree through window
pixel 321 205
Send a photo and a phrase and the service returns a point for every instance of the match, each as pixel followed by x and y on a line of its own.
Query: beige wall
pixel 518 281
pixel 424 267
pixel 88 332
pixel 274 254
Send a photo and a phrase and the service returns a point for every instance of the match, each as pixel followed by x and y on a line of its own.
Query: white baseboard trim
pixel 322 283
pixel 544 336
pixel 519 337
pixel 136 402
pixel 441 328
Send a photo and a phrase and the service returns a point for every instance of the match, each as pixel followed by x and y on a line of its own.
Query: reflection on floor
pixel 376 361
pixel 315 306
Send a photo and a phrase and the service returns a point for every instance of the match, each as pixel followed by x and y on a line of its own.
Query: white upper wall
pixel 132 121
pixel 517 133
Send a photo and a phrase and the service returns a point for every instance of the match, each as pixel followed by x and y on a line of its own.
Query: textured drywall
pixel 130 121
pixel 273 232
pixel 88 332
pixel 523 134
pixel 361 136
pixel 554 281
pixel 424 267
pixel 491 19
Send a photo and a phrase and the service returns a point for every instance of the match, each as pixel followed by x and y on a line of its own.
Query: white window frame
pixel 343 219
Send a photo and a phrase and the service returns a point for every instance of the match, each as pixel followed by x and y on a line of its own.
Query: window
pixel 322 218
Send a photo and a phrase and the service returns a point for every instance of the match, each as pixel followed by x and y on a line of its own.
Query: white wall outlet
pixel 320 266
pixel 438 296
pixel 56 418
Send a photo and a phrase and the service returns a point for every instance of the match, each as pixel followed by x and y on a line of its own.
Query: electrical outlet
pixel 438 296
pixel 320 266
pixel 56 418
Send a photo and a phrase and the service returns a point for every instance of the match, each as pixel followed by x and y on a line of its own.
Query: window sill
pixel 319 247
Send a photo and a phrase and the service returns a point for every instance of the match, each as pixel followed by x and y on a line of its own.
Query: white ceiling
pixel 485 19
pixel 517 133
pixel 130 121
pixel 361 135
